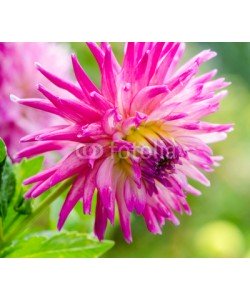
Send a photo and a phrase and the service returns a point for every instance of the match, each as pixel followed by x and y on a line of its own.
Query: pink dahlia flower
pixel 19 75
pixel 138 136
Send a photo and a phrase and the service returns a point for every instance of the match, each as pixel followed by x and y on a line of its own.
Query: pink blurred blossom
pixel 18 75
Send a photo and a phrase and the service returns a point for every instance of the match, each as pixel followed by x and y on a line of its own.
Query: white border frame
pixel 126 279
pixel 123 20
pixel 47 20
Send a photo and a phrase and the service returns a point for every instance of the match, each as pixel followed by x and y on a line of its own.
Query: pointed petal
pixel 71 200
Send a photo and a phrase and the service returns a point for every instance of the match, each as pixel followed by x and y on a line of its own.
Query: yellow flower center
pixel 147 131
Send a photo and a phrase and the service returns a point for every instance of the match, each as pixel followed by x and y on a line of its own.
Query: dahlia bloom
pixel 19 75
pixel 138 136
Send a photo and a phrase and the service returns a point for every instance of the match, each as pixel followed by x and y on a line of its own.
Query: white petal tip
pixel 14 98
pixel 73 56
pixel 37 65
pixel 230 129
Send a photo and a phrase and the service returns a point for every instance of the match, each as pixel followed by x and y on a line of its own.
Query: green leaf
pixel 52 244
pixel 19 206
pixel 7 187
pixel 28 167
pixel 23 170
pixel 22 207
pixel 7 181
pixel 3 152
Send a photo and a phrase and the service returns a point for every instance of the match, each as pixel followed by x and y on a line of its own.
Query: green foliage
pixel 11 178
pixel 28 167
pixel 233 58
pixel 57 244
pixel 17 205
pixel 3 152
pixel 13 209
pixel 23 170
pixel 7 181
pixel 7 188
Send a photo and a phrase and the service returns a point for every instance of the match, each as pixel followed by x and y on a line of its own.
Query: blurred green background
pixel 220 221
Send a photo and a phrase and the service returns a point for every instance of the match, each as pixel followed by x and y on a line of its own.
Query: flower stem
pixel 14 220
pixel 40 209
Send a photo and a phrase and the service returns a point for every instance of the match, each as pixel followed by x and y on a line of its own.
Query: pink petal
pixel 61 83
pixel 71 200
